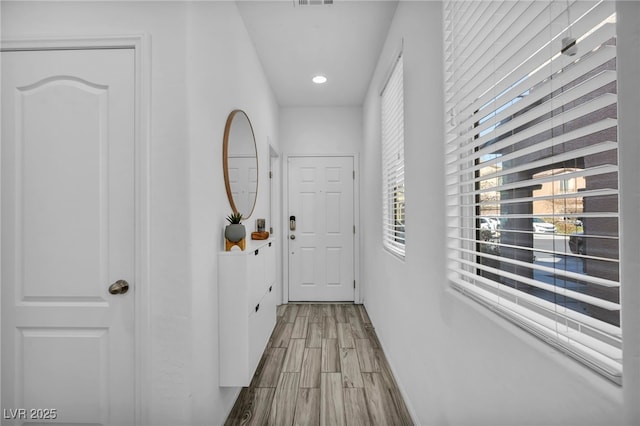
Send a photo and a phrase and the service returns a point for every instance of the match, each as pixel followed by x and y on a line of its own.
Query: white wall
pixel 223 74
pixel 203 65
pixel 458 363
pixel 320 130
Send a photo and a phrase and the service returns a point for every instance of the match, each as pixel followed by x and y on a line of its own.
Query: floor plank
pixel 254 406
pixel 392 389
pixel 280 310
pixel 345 336
pixel 292 313
pixel 281 334
pixel 351 313
pixel 300 328
pixel 364 316
pixel 243 403
pixel 368 358
pixel 374 398
pixel 260 368
pixel 262 406
pixel 315 313
pixel 357 328
pixel 351 377
pixel 314 335
pixel 327 309
pixel 380 406
pixel 355 407
pixel 267 376
pixel 331 400
pixel 310 377
pixel 330 357
pixel 293 358
pixel 329 330
pixel 371 335
pixel 283 406
pixel 340 313
pixel 303 310
pixel 307 407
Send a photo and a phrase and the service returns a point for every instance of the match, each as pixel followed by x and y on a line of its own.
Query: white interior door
pixel 67 234
pixel 321 248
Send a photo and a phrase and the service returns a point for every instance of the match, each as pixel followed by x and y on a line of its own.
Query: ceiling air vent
pixel 314 2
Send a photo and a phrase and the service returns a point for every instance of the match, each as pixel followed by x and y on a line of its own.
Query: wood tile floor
pixel 322 366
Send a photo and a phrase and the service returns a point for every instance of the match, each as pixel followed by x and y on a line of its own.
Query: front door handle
pixel 119 287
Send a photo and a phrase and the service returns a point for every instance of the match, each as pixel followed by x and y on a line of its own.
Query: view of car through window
pixel 554 215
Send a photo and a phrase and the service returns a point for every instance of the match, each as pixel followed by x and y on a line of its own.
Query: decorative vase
pixel 235 232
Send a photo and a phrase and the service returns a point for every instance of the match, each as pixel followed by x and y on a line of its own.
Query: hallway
pixel 323 365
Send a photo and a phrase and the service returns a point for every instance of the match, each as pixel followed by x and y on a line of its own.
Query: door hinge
pixel 354 174
pixel 354 229
pixel 354 283
pixel 270 174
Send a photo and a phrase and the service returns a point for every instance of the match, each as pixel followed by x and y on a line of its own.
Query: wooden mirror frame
pixel 225 160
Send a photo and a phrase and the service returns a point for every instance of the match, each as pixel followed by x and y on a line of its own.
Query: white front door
pixel 67 234
pixel 321 248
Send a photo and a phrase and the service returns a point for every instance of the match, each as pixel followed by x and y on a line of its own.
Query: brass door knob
pixel 119 287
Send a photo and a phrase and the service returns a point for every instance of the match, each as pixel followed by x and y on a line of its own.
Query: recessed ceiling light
pixel 319 79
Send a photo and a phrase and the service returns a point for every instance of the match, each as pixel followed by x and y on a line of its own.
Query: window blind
pixel 393 211
pixel 532 168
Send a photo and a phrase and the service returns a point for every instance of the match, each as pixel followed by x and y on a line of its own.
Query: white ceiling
pixel 341 41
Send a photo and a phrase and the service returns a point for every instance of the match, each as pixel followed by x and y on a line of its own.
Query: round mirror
pixel 240 163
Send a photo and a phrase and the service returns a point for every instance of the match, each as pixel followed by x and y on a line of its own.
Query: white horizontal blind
pixel 392 106
pixel 532 174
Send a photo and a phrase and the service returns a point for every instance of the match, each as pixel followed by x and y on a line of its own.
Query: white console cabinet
pixel 247 309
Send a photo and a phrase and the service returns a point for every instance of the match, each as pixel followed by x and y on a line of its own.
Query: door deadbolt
pixel 119 287
pixel 293 237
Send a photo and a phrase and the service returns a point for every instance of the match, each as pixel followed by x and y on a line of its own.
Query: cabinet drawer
pixel 270 303
pixel 270 264
pixel 261 324
pixel 257 339
pixel 256 280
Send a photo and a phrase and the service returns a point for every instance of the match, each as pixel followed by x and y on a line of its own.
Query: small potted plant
pixel 235 231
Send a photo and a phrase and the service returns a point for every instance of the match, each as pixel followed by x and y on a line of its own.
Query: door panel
pixel 321 255
pixel 68 233
pixel 82 363
pixel 46 200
